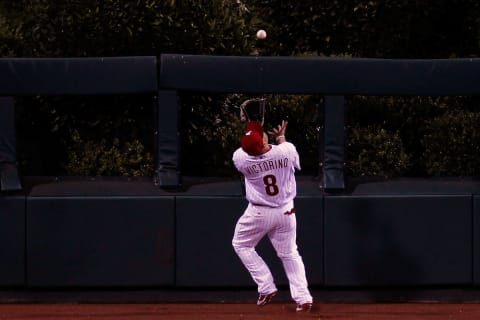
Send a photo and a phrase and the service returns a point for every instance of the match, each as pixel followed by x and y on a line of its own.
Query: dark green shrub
pixel 364 28
pixel 85 28
pixel 208 142
pixel 99 158
pixel 46 126
pixel 210 133
pixel 373 151
pixel 405 115
pixel 452 144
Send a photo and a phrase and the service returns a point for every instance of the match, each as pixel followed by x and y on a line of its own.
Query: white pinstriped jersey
pixel 270 177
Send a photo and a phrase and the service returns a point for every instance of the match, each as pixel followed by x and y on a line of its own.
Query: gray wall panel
pixel 204 231
pixel 78 76
pixel 12 240
pixel 100 241
pixel 205 256
pixel 398 240
pixel 331 76
pixel 310 236
pixel 476 240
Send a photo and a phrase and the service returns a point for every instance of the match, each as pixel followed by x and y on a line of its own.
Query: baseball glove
pixel 253 110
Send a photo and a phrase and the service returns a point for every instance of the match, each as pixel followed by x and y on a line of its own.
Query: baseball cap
pixel 252 139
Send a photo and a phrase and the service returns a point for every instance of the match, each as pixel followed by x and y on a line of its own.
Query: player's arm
pixel 279 132
pixel 238 159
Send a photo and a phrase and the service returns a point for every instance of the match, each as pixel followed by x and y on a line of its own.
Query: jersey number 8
pixel 271 187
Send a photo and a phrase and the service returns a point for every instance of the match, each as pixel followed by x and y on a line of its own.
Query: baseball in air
pixel 261 34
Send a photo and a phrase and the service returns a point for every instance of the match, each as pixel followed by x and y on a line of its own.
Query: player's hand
pixel 279 130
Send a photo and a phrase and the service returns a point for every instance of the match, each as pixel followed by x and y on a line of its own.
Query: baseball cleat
pixel 304 307
pixel 263 299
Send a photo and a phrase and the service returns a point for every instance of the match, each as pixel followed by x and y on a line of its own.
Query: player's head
pixel 253 140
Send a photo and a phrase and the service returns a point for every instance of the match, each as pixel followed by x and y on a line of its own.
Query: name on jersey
pixel 266 166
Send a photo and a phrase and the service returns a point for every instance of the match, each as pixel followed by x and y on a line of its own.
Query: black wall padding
pixel 211 255
pixel 100 241
pixel 333 144
pixel 398 240
pixel 476 239
pixel 7 130
pixel 12 240
pixel 167 146
pixel 333 76
pixel 78 76
pixel 9 179
pixel 204 252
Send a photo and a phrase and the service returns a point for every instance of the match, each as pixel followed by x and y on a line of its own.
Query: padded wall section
pixel 310 236
pixel 64 76
pixel 7 130
pixel 476 240
pixel 204 231
pixel 205 256
pixel 12 240
pixel 332 154
pixel 100 241
pixel 167 144
pixel 329 76
pixel 398 240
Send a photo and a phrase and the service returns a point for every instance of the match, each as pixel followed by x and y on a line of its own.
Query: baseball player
pixel 270 186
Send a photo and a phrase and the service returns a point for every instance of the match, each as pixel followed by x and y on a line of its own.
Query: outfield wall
pixel 119 233
pixel 170 232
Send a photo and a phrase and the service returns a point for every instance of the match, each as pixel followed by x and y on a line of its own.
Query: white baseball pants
pixel 281 228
